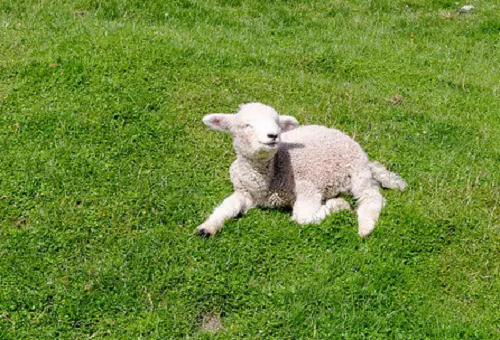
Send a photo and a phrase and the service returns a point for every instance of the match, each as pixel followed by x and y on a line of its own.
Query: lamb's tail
pixel 386 178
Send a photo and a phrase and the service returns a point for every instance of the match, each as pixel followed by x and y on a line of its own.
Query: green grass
pixel 106 169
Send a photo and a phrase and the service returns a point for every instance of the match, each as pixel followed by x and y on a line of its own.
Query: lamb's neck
pixel 262 167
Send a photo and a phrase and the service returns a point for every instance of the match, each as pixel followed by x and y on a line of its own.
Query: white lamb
pixel 307 167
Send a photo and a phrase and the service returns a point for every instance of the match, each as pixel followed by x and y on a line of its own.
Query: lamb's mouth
pixel 271 145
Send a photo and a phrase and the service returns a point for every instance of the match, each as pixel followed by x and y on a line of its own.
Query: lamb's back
pixel 324 156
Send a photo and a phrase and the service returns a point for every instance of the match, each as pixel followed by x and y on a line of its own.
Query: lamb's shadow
pixel 282 209
pixel 283 169
pixel 288 146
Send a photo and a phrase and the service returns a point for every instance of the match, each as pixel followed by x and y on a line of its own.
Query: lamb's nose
pixel 273 136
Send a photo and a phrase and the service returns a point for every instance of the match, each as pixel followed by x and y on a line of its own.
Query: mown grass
pixel 106 168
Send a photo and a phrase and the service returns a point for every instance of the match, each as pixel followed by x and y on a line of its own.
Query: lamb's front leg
pixel 231 207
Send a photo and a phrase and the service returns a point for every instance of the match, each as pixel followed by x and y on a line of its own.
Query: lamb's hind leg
pixel 370 202
pixel 308 208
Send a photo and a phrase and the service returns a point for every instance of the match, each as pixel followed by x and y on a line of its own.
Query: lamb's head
pixel 256 129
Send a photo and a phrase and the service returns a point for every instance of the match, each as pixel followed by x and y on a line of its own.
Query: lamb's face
pixel 256 129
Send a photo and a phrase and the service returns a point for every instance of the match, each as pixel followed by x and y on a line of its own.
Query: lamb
pixel 307 167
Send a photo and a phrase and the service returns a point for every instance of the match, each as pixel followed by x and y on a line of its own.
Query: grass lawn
pixel 106 169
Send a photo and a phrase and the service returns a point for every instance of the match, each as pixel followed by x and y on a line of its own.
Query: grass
pixel 106 168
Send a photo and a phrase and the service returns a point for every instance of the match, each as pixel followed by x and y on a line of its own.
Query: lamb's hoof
pixel 337 204
pixel 365 233
pixel 203 232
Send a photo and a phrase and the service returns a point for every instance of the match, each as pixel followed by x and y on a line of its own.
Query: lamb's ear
pixel 288 123
pixel 219 121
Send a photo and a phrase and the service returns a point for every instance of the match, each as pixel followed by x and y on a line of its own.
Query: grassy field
pixel 106 169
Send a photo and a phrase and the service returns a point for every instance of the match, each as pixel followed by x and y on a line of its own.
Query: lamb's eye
pixel 246 126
